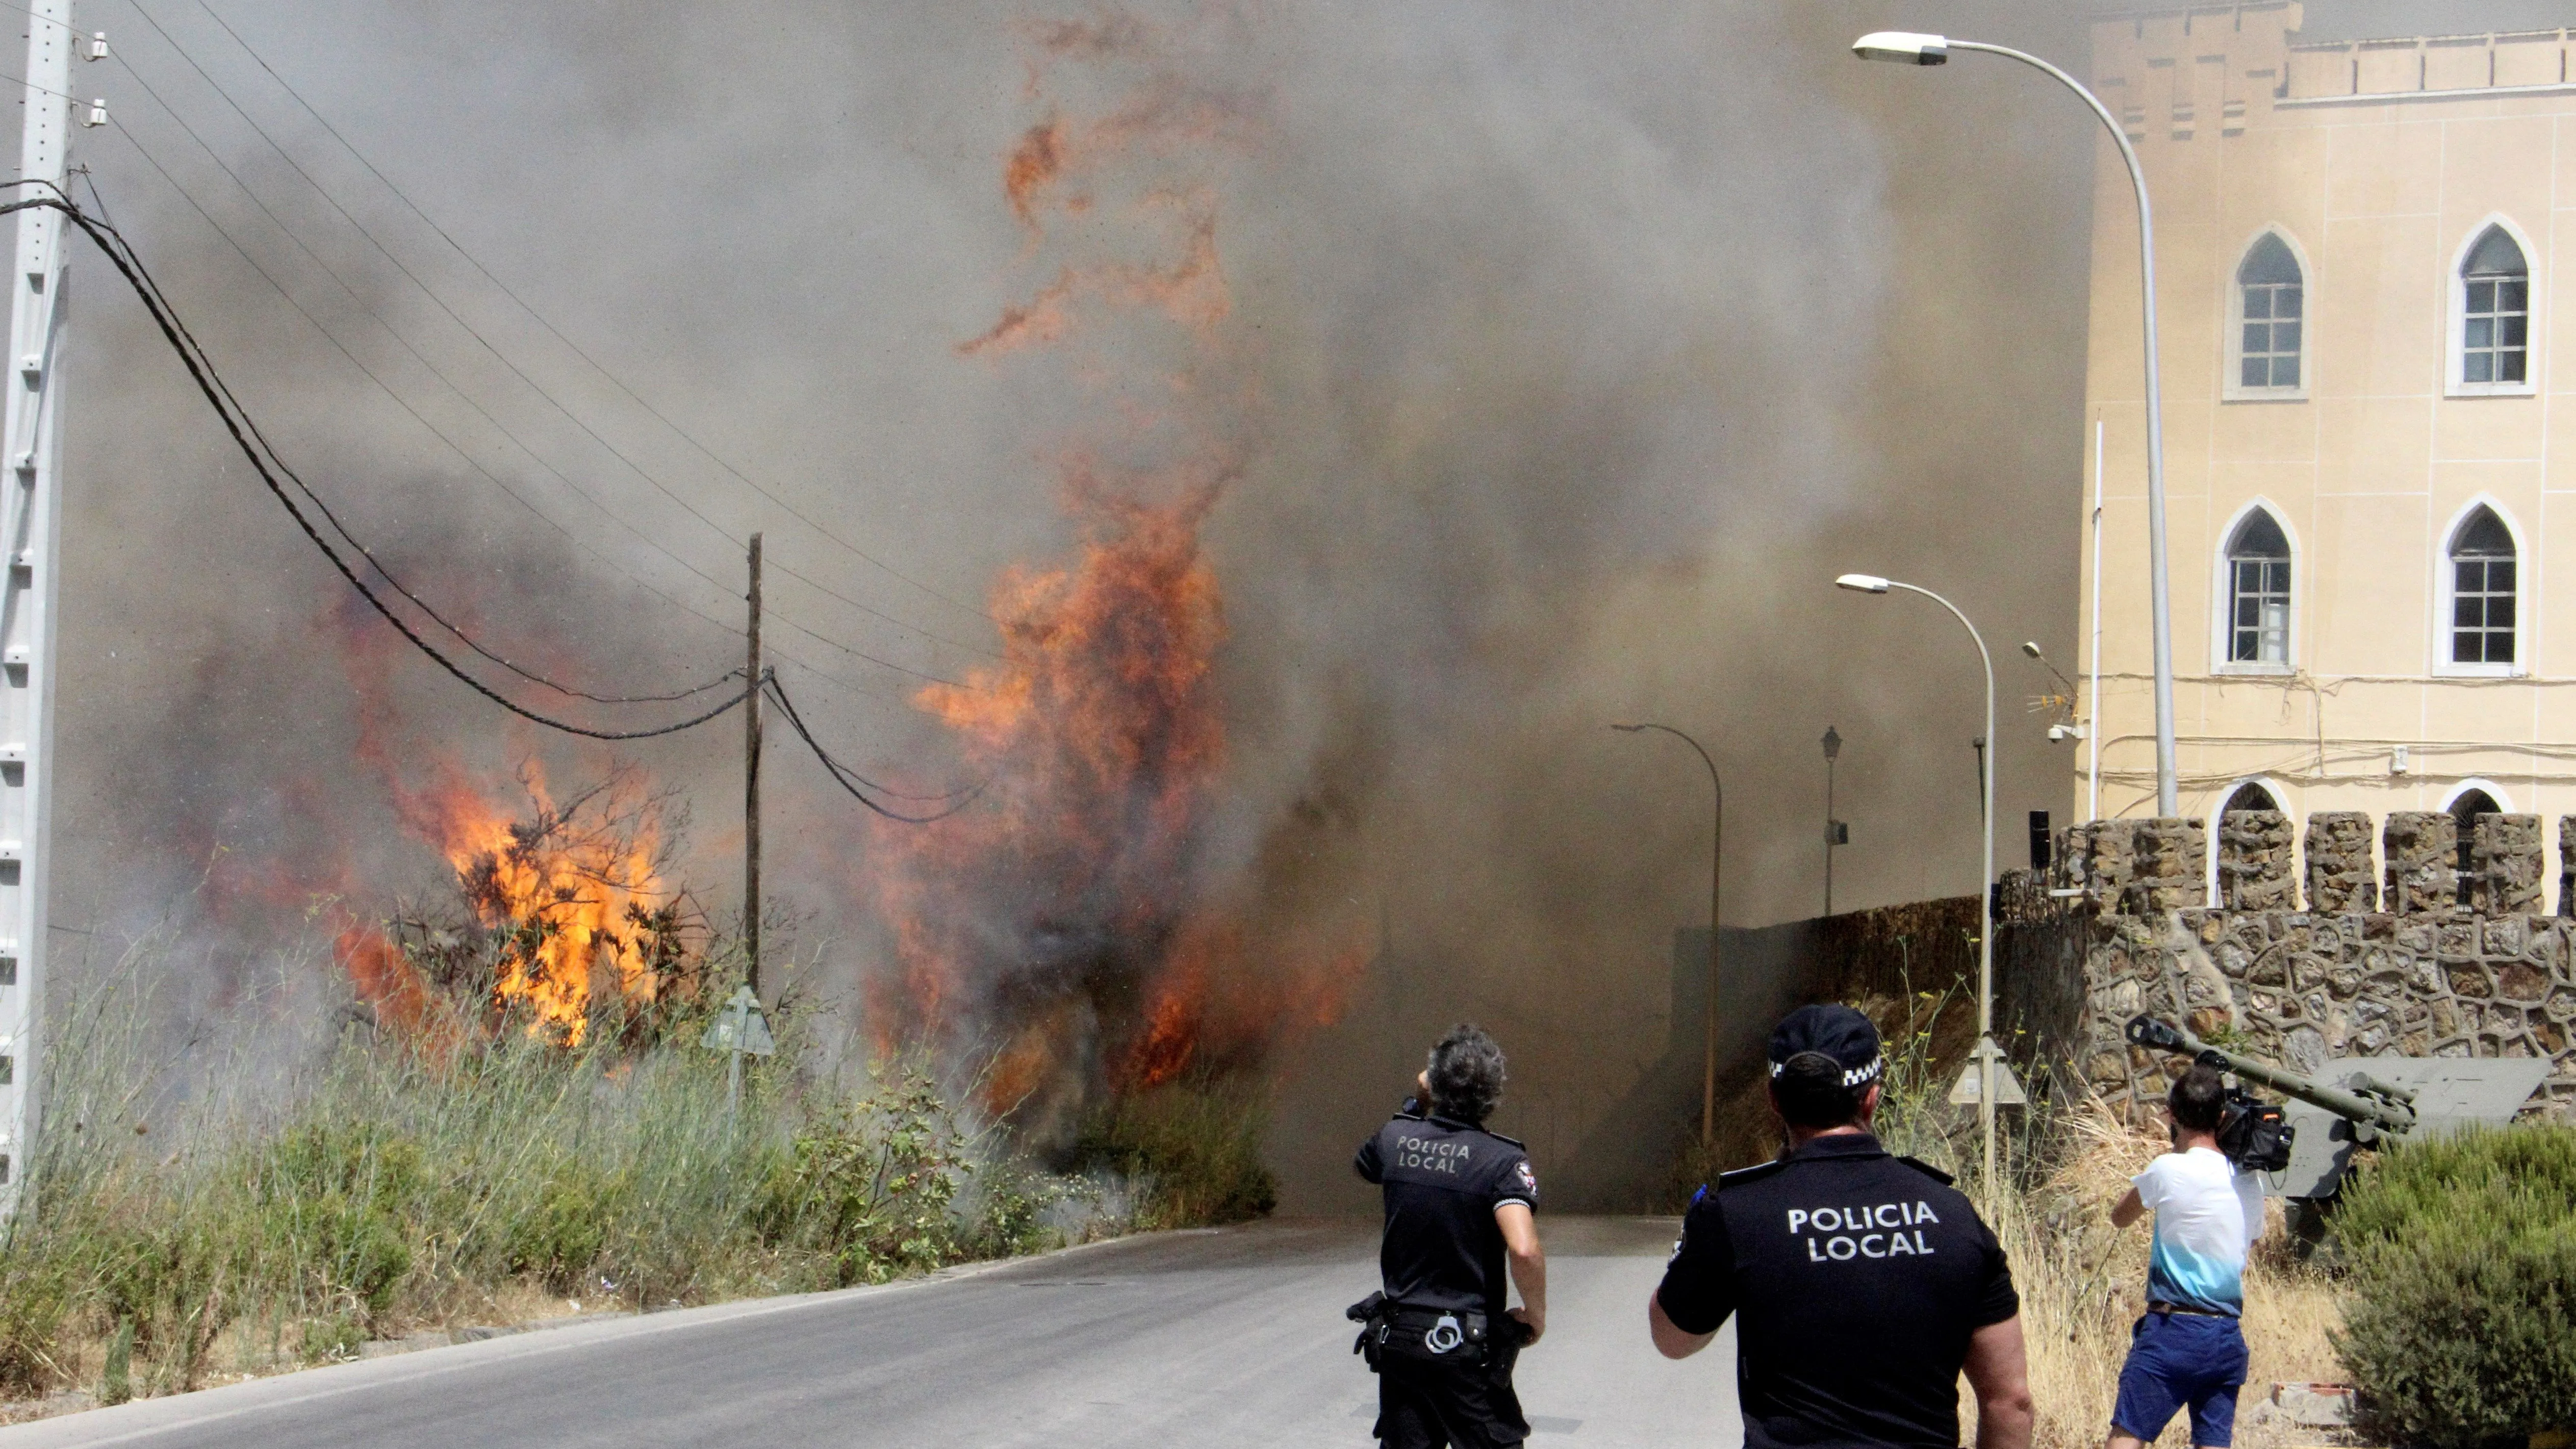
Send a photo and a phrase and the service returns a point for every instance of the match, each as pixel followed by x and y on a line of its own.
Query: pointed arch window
pixel 2483 591
pixel 2495 313
pixel 2258 591
pixel 2271 305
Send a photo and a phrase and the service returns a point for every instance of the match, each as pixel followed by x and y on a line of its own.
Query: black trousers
pixel 1426 1405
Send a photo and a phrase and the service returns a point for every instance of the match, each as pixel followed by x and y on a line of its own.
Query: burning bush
pixel 563 917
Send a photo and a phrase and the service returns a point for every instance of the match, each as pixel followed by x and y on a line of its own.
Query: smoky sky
pixel 1589 346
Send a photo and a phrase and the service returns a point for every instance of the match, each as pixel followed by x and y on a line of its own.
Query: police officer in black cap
pixel 1862 1284
pixel 1459 1207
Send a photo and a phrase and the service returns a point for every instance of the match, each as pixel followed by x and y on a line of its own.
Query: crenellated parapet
pixel 2413 864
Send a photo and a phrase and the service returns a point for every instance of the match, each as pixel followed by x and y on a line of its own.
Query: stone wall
pixel 2300 988
pixel 2435 953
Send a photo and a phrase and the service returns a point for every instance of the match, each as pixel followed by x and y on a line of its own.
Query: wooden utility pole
pixel 751 786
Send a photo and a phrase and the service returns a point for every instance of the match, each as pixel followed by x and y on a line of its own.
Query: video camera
pixel 2254 1135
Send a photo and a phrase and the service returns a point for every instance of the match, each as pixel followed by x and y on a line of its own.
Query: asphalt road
pixel 1231 1337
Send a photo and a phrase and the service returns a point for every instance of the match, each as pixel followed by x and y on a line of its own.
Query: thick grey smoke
pixel 1589 345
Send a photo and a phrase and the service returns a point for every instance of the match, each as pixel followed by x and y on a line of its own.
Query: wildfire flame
pixel 569 895
pixel 575 900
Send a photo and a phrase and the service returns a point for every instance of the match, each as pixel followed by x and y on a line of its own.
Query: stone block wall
pixel 2300 988
pixel 2147 867
pixel 2257 862
pixel 2339 867
pixel 2421 848
pixel 2435 954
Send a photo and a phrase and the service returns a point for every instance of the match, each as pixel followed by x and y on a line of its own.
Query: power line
pixel 387 574
pixel 469 329
pixel 452 386
pixel 131 267
pixel 523 304
pixel 453 445
pixel 858 785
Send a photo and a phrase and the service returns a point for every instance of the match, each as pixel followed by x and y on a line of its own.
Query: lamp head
pixel 1862 583
pixel 1627 729
pixel 2031 648
pixel 1903 47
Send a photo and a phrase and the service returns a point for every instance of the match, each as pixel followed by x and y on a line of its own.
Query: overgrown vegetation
pixel 1189 1149
pixel 394 1189
pixel 2460 1316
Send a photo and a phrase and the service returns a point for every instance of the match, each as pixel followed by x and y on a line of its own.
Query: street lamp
pixel 1716 866
pixel 1835 834
pixel 1909 48
pixel 1987 1051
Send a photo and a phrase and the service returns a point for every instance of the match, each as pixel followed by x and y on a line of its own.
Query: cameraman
pixel 2189 1349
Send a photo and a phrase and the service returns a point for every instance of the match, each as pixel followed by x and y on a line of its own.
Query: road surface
pixel 1231 1338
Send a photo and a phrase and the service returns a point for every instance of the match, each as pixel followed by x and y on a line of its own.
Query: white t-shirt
pixel 2207 1214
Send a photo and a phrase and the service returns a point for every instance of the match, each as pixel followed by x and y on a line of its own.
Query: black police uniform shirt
pixel 1443 1180
pixel 1857 1278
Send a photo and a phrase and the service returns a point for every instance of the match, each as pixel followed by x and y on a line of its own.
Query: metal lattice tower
pixel 30 528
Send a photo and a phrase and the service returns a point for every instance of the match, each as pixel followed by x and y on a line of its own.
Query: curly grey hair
pixel 1466 1074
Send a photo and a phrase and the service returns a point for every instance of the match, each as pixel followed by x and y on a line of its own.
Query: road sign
pixel 2008 1092
pixel 740 1027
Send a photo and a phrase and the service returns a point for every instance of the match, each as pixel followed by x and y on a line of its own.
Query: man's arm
pixel 1999 1372
pixel 2129 1209
pixel 1528 1264
pixel 1670 1340
pixel 1367 1163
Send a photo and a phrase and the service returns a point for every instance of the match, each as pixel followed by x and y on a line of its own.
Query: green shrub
pixel 2460 1288
pixel 1192 1149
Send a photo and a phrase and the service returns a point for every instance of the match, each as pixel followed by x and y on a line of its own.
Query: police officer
pixel 1459 1205
pixel 1862 1283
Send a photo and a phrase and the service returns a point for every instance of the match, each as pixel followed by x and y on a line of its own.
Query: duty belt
pixel 1430 1334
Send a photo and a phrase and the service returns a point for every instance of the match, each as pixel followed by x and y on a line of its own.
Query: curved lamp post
pixel 1716 864
pixel 1987 1051
pixel 1904 47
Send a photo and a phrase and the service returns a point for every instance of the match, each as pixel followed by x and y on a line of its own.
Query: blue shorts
pixel 2178 1360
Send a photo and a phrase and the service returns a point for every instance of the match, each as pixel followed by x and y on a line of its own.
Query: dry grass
pixel 2083 1284
pixel 2082 1281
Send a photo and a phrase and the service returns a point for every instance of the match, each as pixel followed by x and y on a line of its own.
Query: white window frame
pixel 2457 323
pixel 2494 791
pixel 2444 583
pixel 2222 601
pixel 2231 373
pixel 2279 792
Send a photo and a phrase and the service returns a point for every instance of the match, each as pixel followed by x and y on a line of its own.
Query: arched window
pixel 2471 804
pixel 2258 592
pixel 2482 590
pixel 2249 796
pixel 2495 312
pixel 2271 313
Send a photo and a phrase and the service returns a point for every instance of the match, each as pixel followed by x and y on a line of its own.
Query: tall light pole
pixel 1909 48
pixel 1833 744
pixel 1987 1051
pixel 1716 874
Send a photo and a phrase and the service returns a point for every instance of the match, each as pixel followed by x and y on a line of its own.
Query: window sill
pixel 2479 671
pixel 2258 671
pixel 2492 389
pixel 2263 395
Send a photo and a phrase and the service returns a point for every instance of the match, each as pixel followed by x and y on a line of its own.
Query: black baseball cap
pixel 1837 1031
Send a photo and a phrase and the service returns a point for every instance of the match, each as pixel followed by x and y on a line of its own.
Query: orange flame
pixel 572 892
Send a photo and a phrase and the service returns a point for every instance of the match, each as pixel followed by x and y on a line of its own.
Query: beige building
pixel 2370 445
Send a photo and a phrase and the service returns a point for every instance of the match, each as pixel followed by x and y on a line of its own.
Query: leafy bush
pixel 2460 1307
pixel 1192 1148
